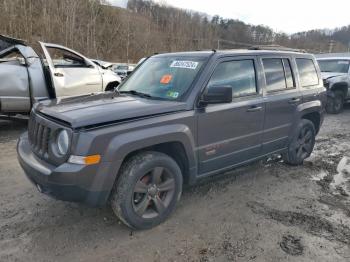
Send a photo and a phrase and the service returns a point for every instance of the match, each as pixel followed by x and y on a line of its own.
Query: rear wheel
pixel 335 104
pixel 302 143
pixel 149 186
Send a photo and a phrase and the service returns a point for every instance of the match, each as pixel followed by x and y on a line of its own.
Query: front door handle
pixel 59 74
pixel 294 100
pixel 254 109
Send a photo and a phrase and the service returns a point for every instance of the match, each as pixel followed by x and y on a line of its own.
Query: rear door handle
pixel 254 109
pixel 294 100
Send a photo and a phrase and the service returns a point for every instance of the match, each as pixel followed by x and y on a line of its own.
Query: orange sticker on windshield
pixel 166 79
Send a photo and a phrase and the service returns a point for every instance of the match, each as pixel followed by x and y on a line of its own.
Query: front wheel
pixel 148 188
pixel 302 143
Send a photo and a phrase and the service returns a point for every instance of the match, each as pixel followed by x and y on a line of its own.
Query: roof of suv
pixel 230 52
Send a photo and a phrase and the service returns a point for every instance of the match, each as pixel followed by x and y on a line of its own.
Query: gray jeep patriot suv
pixel 178 118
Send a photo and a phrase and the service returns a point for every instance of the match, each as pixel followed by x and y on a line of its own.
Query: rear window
pixel 278 74
pixel 307 72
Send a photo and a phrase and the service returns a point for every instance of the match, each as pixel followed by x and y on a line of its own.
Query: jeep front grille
pixel 39 136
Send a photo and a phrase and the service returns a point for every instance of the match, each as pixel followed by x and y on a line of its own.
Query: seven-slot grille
pixel 39 136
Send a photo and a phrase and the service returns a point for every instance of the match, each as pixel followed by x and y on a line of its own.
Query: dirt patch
pixel 336 203
pixel 292 245
pixel 312 224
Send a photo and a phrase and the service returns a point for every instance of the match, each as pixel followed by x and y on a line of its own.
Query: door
pixel 14 82
pixel 282 98
pixel 230 134
pixel 72 73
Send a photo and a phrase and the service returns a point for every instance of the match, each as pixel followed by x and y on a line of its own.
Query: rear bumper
pixel 60 182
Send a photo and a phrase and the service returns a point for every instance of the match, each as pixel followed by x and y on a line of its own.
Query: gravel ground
pixel 265 212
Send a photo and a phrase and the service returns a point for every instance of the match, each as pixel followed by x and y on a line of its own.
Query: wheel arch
pixel 174 140
pixel 111 85
pixel 315 118
pixel 341 86
pixel 311 111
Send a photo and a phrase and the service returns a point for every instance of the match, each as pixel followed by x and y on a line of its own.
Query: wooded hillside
pixel 100 31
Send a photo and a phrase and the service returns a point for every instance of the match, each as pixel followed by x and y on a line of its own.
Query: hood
pixel 327 75
pixel 6 42
pixel 99 109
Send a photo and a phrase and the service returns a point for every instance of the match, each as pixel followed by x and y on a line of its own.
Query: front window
pixel 63 58
pixel 238 74
pixel 164 77
pixel 334 66
pixel 13 57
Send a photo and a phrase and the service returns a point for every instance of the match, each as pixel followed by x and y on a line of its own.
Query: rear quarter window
pixel 307 72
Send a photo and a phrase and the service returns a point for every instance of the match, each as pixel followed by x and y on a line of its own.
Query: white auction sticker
pixel 184 64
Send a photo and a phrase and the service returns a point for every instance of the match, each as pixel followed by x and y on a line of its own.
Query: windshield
pixel 164 77
pixel 334 66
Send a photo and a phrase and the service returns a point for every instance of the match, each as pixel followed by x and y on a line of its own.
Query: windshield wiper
pixel 136 93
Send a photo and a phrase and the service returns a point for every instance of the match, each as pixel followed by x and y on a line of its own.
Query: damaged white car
pixel 27 77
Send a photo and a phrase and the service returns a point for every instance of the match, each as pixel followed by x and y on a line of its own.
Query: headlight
pixel 62 142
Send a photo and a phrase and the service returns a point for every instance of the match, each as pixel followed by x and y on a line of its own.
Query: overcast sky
pixel 287 16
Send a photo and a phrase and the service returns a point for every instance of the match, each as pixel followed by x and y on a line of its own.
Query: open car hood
pixel 6 42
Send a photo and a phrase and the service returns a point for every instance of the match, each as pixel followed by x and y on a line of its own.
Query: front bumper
pixel 67 182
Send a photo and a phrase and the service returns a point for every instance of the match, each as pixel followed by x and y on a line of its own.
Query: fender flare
pixel 122 145
pixel 310 107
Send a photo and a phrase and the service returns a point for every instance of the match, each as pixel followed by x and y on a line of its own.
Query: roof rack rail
pixel 276 48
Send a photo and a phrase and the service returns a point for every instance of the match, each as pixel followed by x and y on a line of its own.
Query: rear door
pixel 230 134
pixel 72 73
pixel 282 98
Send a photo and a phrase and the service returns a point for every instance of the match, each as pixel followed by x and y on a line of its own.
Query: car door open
pixel 72 74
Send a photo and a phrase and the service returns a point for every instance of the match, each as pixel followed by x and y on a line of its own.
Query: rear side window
pixel 307 72
pixel 278 74
pixel 238 74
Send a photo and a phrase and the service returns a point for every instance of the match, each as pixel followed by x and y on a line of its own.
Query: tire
pixel 335 104
pixel 147 190
pixel 302 143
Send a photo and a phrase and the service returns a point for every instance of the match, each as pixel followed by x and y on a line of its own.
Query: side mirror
pixel 217 95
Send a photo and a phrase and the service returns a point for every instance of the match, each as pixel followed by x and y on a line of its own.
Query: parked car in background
pixel 179 117
pixel 27 77
pixel 335 70
pixel 124 70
